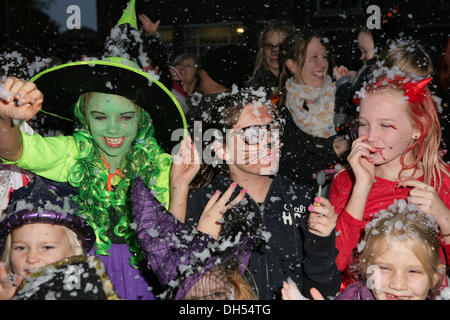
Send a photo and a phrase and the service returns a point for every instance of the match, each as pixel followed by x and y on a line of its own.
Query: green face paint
pixel 113 121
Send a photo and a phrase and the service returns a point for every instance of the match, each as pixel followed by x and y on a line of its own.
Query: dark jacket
pixel 292 251
pixel 264 78
pixel 303 155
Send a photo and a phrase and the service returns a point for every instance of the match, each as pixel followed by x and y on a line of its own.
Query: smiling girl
pixel 395 157
pixel 125 118
pixel 41 240
pixel 398 260
pixel 307 105
pixel 399 257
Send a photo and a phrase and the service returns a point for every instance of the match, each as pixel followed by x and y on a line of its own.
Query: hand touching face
pixel 384 120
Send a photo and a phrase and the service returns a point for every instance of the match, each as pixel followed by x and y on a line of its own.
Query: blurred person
pixel 185 81
pixel 267 69
pixel 307 104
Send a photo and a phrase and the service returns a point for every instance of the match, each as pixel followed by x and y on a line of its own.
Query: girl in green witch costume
pixel 117 105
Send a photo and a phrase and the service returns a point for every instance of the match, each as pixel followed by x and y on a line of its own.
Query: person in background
pixel 155 52
pixel 185 78
pixel 13 177
pixel 348 82
pixel 310 141
pixel 267 68
pixel 221 68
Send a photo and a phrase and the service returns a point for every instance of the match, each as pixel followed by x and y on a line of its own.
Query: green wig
pixel 94 201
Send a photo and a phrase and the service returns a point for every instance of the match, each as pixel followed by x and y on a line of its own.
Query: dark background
pixel 25 26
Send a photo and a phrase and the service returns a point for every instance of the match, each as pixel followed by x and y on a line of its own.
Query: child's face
pixel 36 245
pixel 366 46
pixel 401 274
pixel 113 121
pixel 212 286
pixel 384 119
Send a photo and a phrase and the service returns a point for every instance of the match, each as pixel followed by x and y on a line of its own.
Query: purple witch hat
pixel 180 255
pixel 40 202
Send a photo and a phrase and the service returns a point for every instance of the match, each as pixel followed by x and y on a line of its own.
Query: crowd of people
pixel 302 180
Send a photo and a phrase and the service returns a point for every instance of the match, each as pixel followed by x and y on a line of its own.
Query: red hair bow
pixel 416 91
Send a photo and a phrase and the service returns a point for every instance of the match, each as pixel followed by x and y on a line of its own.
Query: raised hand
pixel 428 200
pixel 186 165
pixel 148 25
pixel 21 99
pixel 322 218
pixel 216 208
pixel 360 160
pixel 7 287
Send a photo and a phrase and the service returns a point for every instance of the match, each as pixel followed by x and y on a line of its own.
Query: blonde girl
pixel 399 257
pixel 398 260
pixel 395 157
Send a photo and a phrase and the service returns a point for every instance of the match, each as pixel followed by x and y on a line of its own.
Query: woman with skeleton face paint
pixel 242 167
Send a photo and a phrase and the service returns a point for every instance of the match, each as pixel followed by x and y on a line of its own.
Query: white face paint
pixel 254 146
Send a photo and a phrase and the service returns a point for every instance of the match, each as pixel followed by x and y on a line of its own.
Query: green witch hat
pixel 129 15
pixel 62 85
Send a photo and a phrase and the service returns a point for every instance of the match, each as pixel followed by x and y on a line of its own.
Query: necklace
pixel 111 175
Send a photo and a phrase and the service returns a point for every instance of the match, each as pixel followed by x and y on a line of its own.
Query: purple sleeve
pixel 167 243
pixel 356 291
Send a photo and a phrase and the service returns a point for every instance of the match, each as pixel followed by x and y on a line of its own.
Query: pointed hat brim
pixel 62 85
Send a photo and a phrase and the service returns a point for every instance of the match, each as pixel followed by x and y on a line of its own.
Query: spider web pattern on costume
pixel 169 245
pixel 180 255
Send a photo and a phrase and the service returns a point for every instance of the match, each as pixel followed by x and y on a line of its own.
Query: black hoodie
pixel 292 251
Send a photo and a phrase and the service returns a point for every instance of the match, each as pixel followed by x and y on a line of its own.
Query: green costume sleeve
pixel 53 157
pixel 49 157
